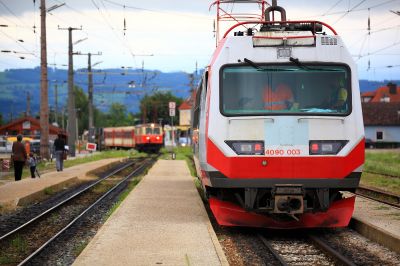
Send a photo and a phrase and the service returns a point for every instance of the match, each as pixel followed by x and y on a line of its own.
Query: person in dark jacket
pixel 19 157
pixel 59 147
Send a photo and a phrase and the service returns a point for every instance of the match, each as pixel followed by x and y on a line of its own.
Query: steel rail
pixel 64 201
pixel 318 243
pixel 272 250
pixel 328 250
pixel 36 252
pixel 363 191
pixel 376 173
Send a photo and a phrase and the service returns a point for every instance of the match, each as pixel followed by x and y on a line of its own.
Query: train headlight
pixel 147 138
pixel 323 147
pixel 246 147
pixel 157 138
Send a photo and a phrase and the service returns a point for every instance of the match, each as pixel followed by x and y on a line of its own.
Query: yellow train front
pixel 277 124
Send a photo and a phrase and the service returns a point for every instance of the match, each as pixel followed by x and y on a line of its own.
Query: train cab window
pixel 285 89
pixel 156 131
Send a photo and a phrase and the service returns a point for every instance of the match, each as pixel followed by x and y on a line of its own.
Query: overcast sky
pixel 180 32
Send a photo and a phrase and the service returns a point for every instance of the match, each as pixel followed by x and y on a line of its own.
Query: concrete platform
pixel 161 222
pixel 377 221
pixel 28 190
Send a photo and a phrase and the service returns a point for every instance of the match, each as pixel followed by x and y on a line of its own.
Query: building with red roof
pixel 185 110
pixel 386 94
pixel 28 127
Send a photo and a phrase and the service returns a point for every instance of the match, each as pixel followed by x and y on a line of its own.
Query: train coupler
pixel 288 199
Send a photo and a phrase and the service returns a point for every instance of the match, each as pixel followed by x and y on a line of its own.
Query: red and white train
pixel 277 124
pixel 145 137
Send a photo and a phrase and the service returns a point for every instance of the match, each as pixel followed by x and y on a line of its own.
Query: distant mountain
pixel 126 86
pixel 110 85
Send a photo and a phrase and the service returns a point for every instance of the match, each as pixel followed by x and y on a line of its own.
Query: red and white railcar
pixel 149 137
pixel 119 137
pixel 277 124
pixel 146 137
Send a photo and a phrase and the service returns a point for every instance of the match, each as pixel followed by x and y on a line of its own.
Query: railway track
pixel 31 241
pixel 379 195
pixel 304 251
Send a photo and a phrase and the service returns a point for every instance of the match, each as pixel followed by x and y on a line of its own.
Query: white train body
pixel 258 155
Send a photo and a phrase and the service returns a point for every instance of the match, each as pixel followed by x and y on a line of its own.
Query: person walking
pixel 19 157
pixel 32 164
pixel 59 147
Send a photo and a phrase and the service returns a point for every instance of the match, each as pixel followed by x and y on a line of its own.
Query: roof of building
pixel 383 92
pixel 34 121
pixel 188 103
pixel 381 114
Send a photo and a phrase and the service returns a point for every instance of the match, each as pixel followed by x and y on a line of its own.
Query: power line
pixel 18 42
pixel 379 50
pixel 345 14
pixel 332 7
pixel 113 30
pixel 151 10
pixel 353 10
pixel 9 10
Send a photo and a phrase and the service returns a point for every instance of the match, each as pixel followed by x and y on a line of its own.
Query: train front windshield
pixel 284 89
pixel 153 131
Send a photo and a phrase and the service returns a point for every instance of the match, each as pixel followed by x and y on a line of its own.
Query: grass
pixel 80 247
pixel 182 153
pixel 49 191
pixel 19 244
pixel 383 182
pixel 123 195
pixel 385 163
pixel 378 164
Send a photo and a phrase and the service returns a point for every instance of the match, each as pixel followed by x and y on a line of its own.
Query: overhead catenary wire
pixel 348 11
pixel 332 7
pixel 11 12
pixel 19 44
pixel 154 10
pixel 123 42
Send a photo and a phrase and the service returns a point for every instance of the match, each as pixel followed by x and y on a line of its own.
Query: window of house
pixel 379 135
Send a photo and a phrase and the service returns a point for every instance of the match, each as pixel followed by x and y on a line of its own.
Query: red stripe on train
pixel 286 167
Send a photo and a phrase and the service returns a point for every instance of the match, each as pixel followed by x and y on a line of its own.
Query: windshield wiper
pixel 251 63
pixel 259 68
pixel 298 63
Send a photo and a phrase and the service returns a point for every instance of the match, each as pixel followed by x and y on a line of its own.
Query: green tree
pixel 1 119
pixel 82 109
pixel 117 116
pixel 155 107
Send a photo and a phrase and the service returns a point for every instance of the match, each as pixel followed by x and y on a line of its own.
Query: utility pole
pixel 56 102
pixel 28 104
pixel 44 97
pixel 71 97
pixel 90 91
pixel 62 118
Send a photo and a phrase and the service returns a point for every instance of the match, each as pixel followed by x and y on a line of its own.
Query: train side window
pixel 196 108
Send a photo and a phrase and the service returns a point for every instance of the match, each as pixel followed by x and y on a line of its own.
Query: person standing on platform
pixel 32 164
pixel 19 157
pixel 59 147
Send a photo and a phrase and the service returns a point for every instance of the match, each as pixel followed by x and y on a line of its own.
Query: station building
pixel 28 127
